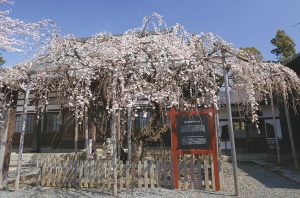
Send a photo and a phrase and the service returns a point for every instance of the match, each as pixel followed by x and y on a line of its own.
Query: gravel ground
pixel 254 181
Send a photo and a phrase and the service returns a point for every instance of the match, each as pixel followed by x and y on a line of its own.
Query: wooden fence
pixel 196 174
pixel 157 153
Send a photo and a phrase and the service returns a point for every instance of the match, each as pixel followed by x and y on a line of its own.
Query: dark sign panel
pixel 193 132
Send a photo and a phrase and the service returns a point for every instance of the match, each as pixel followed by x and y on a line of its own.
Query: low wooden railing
pixel 65 172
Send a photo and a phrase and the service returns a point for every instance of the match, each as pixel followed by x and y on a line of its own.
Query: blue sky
pixel 243 23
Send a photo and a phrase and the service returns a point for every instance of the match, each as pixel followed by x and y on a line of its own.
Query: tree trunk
pixel 11 129
pixel 119 142
pixel 6 140
pixel 92 127
pixel 76 130
pixel 86 128
pixel 3 138
pixel 138 151
pixel 129 122
pixel 35 144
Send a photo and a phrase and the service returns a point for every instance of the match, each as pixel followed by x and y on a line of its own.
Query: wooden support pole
pixel 113 133
pixel 129 134
pixel 76 130
pixel 44 123
pixel 86 120
pixel 92 128
pixel 119 143
pixel 274 124
pixel 35 146
pixel 86 128
pixel 287 114
pixel 17 181
pixel 230 127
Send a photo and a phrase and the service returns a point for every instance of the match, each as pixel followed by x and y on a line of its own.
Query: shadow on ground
pixel 267 177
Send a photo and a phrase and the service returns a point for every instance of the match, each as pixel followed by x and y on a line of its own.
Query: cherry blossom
pixel 166 66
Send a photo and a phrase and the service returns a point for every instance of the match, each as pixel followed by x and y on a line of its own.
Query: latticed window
pixel 53 123
pixel 29 123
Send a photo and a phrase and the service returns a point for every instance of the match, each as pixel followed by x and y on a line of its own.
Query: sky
pixel 242 23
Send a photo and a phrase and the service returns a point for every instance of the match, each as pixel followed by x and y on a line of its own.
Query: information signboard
pixel 193 132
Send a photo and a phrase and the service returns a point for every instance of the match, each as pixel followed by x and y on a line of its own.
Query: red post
pixel 215 151
pixel 172 115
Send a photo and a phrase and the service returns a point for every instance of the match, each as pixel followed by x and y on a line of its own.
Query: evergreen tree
pixel 2 61
pixel 252 51
pixel 285 46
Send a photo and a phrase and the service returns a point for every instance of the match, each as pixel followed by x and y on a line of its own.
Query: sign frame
pixel 176 151
pixel 193 132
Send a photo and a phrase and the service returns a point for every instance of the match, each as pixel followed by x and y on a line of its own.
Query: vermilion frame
pixel 173 114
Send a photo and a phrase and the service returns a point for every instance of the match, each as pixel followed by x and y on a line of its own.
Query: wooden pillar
pixel 76 130
pixel 274 124
pixel 129 122
pixel 43 120
pixel 119 142
pixel 35 144
pixel 113 134
pixel 287 114
pixel 92 128
pixel 26 102
pixel 86 128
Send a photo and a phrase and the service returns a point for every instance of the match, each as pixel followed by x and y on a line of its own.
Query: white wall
pixel 267 114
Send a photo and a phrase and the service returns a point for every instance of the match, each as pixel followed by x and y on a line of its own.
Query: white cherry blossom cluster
pixel 19 36
pixel 166 65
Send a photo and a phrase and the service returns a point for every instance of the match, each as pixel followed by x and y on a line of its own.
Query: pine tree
pixel 254 52
pixel 285 46
pixel 2 61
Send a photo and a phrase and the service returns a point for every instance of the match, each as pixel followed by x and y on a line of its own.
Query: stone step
pixel 30 159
